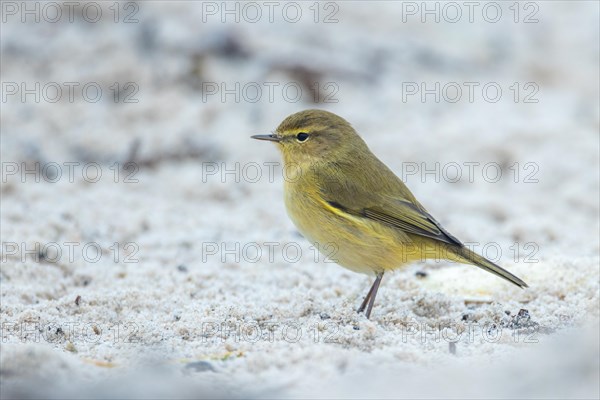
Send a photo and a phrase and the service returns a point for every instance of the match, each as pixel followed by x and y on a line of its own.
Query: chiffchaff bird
pixel 344 197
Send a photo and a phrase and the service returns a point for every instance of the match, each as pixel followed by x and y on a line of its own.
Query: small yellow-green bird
pixel 344 197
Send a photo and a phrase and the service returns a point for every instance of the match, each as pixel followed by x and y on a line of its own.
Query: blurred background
pixel 125 130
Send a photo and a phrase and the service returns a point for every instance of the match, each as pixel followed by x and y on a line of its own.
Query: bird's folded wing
pixel 410 219
pixel 392 210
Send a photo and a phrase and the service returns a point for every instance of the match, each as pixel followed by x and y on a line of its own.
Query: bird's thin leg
pixel 370 295
pixel 374 294
pixel 366 300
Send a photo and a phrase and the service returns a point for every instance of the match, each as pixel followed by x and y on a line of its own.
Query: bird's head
pixel 314 136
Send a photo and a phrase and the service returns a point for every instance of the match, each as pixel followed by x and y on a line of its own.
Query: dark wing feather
pixel 410 219
pixel 396 208
pixel 404 216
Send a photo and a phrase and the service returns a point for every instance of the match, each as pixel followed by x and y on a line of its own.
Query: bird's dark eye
pixel 302 136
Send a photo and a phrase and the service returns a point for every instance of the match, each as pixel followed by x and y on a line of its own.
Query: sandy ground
pixel 180 275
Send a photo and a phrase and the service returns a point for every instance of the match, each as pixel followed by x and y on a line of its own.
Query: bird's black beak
pixel 271 138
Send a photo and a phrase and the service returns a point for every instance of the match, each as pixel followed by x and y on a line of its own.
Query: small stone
pixel 182 268
pixel 324 315
pixel 522 320
pixel 421 274
pixel 200 366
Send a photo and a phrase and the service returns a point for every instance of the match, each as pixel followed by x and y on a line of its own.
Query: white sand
pixel 175 320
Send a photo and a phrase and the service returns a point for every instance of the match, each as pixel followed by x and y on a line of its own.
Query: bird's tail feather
pixel 485 264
